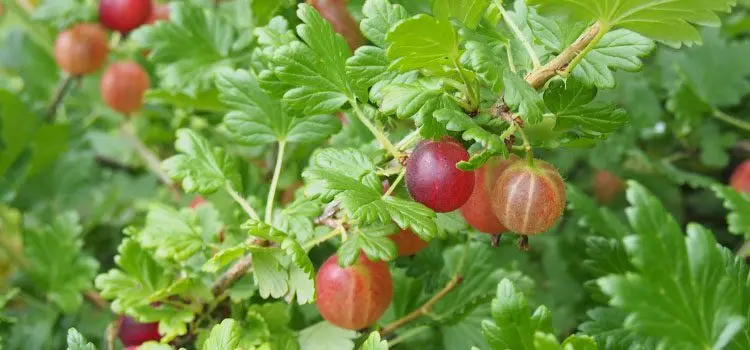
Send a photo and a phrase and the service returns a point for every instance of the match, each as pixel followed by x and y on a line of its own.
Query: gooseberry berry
pixel 134 333
pixel 353 297
pixel 123 85
pixel 433 179
pixel 336 12
pixel 529 198
pixel 607 186
pixel 82 49
pixel 124 15
pixel 477 211
pixel 740 179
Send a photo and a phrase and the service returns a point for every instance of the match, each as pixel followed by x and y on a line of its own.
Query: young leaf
pixel 316 71
pixel 56 263
pixel 258 119
pixel 189 48
pixel 325 336
pixel 468 12
pixel 139 278
pixel 373 241
pixel 224 336
pixel 520 96
pixel 76 341
pixel 570 101
pixel 170 234
pixel 379 17
pixel 738 205
pixel 201 168
pixel 619 49
pixel 704 288
pixel 423 42
pixel 488 62
pixel 373 342
pixel 670 22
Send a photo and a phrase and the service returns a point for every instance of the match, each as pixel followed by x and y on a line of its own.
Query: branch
pixel 96 299
pixel 234 273
pixel 113 164
pixel 60 93
pixel 540 76
pixel 424 309
pixel 152 161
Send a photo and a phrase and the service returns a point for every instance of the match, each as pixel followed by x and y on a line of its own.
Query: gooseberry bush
pixel 374 174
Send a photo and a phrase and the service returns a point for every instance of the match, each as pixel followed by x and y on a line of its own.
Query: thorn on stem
pixel 496 240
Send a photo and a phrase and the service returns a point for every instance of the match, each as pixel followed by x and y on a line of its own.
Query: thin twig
pixel 375 131
pixel 234 273
pixel 242 202
pixel 152 161
pixel 318 240
pixel 111 333
pixel 275 181
pixel 425 308
pixel 96 299
pixel 59 96
pixel 731 120
pixel 113 164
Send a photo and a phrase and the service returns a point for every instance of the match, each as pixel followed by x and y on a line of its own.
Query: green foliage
pixel 263 104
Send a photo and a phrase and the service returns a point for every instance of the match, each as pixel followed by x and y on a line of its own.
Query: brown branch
pixel 234 273
pixel 425 308
pixel 538 77
pixel 115 165
pixel 59 96
pixel 96 299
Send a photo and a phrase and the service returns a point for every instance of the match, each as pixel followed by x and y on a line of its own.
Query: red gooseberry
pixel 82 49
pixel 341 20
pixel 740 179
pixel 123 85
pixel 353 297
pixel 433 179
pixel 134 333
pixel 477 211
pixel 529 198
pixel 607 186
pixel 124 15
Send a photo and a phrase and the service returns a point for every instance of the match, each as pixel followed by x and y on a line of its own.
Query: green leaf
pixel 606 324
pixel 670 22
pixel 316 71
pixel 368 66
pixel 555 34
pixel 325 336
pixel 257 119
pixel 512 325
pixel 619 49
pixel 56 263
pixel 223 258
pixel 738 205
pixel 170 234
pixel 492 143
pixel 349 176
pixel 373 240
pixel 571 103
pixel 423 42
pixel 488 62
pixel 468 12
pixel 138 281
pixel 379 17
pixel 224 336
pixel 202 101
pixel 701 68
pixel 76 341
pixel 373 342
pixel 201 168
pixel 520 96
pixel 189 48
pixel 690 275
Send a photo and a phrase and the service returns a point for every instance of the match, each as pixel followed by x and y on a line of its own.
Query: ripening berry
pixel 341 20
pixel 134 333
pixel 82 49
pixel 407 242
pixel 353 297
pixel 740 179
pixel 607 186
pixel 477 211
pixel 124 15
pixel 159 12
pixel 529 199
pixel 196 202
pixel 433 179
pixel 123 85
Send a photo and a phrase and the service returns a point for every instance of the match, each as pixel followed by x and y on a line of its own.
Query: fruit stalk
pixel 375 132
pixel 60 93
pixel 151 160
pixel 242 202
pixel 425 308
